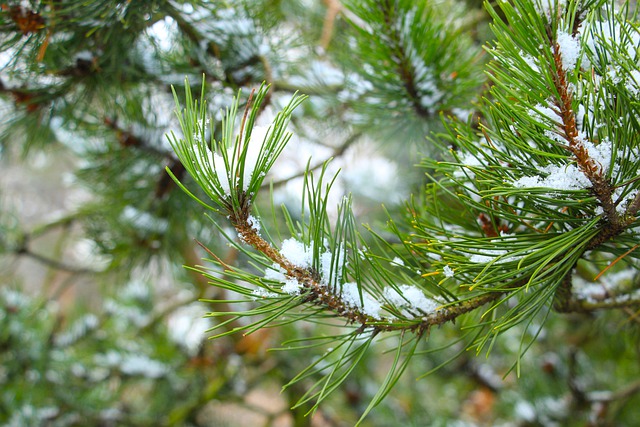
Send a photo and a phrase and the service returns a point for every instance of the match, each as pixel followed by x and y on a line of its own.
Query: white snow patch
pixel 606 287
pixel 187 327
pixel 467 160
pixel 566 177
pixel 326 260
pixel 448 272
pixel 292 286
pixel 164 33
pixel 374 178
pixel 254 223
pixel 79 329
pixel 545 113
pixel 569 177
pixel 599 34
pixel 297 253
pixel 550 8
pixel 368 305
pixel 530 61
pixel 275 273
pixel 525 411
pixel 410 298
pixel 355 87
pixel 143 221
pixel 569 50
pixel 263 293
pixel 398 261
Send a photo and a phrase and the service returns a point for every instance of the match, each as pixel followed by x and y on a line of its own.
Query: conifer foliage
pixel 546 179
pixel 520 231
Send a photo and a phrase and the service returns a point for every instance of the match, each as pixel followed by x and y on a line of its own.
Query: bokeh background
pixel 100 323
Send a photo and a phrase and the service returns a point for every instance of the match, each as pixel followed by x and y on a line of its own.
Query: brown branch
pixel 592 169
pixel 333 9
pixel 318 294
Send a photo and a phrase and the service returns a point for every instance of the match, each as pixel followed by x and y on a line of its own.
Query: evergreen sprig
pixel 421 62
pixel 553 174
pixel 325 270
pixel 545 183
pixel 230 171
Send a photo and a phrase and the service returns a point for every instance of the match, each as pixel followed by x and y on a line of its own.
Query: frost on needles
pixel 551 176
pixel 545 181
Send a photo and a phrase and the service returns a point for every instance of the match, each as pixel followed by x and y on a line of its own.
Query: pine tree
pixel 503 269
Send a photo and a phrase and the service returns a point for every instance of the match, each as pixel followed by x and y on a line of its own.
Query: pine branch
pixel 589 166
pixel 491 231
pixel 420 65
pixel 405 70
pixel 314 289
pixel 317 293
pixel 602 188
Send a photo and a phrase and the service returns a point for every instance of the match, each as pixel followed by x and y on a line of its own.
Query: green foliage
pixel 519 242
pixel 520 235
pixel 420 62
pixel 71 371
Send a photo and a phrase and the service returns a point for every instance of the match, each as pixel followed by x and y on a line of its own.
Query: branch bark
pixel 320 295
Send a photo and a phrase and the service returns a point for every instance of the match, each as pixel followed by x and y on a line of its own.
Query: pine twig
pixel 594 171
pixel 317 294
pixel 404 68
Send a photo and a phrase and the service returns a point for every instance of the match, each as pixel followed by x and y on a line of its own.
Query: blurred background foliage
pixel 99 323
